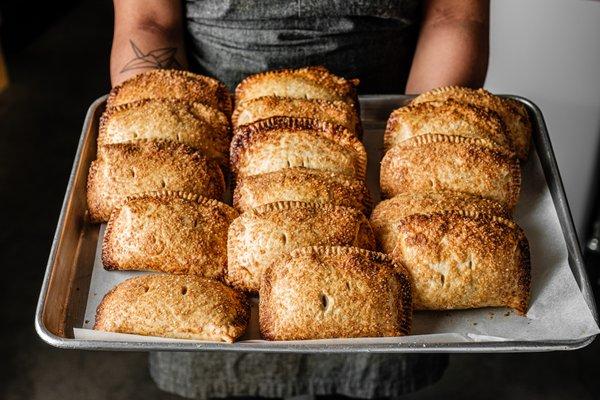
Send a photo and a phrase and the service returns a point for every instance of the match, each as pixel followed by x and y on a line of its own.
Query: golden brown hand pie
pixel 194 124
pixel 334 292
pixel 284 142
pixel 260 235
pixel 390 212
pixel 336 112
pixel 512 112
pixel 302 83
pixel 172 84
pixel 173 232
pixel 125 169
pixel 441 162
pixel 301 184
pixel 449 118
pixel 174 306
pixel 458 258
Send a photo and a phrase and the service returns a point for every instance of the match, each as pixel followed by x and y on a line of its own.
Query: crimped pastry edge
pixel 106 251
pixel 487 114
pixel 223 96
pixel 525 261
pixel 213 166
pixel 358 129
pixel 366 201
pixel 284 205
pixel 513 106
pixel 348 91
pixel 515 182
pixel 243 135
pixel 109 112
pixel 405 280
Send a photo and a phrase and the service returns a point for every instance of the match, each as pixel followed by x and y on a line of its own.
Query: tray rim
pixel 550 167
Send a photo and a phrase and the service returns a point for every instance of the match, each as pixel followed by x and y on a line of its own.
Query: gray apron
pixel 372 40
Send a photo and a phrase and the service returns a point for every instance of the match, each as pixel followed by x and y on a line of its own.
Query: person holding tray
pixel 392 47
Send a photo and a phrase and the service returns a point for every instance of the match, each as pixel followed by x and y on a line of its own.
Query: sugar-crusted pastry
pixel 172 84
pixel 334 111
pixel 285 142
pixel 301 184
pixel 334 292
pixel 174 306
pixel 305 83
pixel 441 162
pixel 194 124
pixel 125 169
pixel 512 112
pixel 173 232
pixel 388 213
pixel 449 118
pixel 459 258
pixel 260 235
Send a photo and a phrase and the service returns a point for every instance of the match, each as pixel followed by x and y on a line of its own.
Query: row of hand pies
pixel 163 147
pixel 303 242
pixel 452 175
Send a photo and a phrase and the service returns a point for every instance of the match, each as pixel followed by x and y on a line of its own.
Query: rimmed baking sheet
pixel 560 315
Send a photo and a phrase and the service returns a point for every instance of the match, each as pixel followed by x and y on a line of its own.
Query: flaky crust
pixel 441 162
pixel 309 83
pixel 334 292
pixel 142 166
pixel 301 184
pixel 173 232
pixel 284 142
pixel 389 213
pixel 512 112
pixel 174 306
pixel 462 259
pixel 449 118
pixel 194 124
pixel 336 112
pixel 173 84
pixel 260 235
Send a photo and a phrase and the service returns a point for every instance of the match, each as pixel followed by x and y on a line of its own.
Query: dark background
pixel 57 58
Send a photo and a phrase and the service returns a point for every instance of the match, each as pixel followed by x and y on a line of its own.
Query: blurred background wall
pixel 549 52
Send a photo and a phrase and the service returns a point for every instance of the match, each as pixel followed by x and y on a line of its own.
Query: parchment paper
pixel 557 309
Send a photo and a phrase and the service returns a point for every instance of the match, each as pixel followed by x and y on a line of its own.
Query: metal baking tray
pixel 63 296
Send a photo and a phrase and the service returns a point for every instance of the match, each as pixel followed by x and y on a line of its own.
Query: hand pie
pixel 447 118
pixel 388 213
pixel 458 258
pixel 302 83
pixel 174 306
pixel 513 113
pixel 334 292
pixel 260 235
pixel 336 112
pixel 171 232
pixel 440 162
pixel 125 169
pixel 194 124
pixel 301 184
pixel 172 84
pixel 283 142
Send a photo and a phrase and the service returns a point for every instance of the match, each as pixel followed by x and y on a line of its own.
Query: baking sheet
pixel 557 312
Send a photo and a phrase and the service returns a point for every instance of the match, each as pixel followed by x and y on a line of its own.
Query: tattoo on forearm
pixel 158 58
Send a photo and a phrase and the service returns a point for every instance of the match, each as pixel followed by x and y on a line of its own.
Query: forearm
pixel 147 35
pixel 453 46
